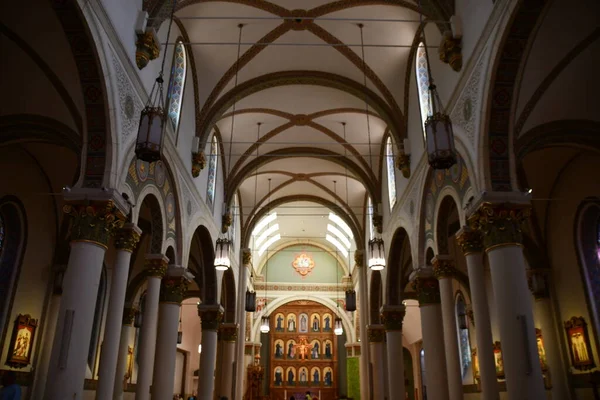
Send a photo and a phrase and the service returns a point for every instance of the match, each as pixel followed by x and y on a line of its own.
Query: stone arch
pixel 375 297
pixel 228 296
pixel 399 267
pixel 154 211
pixel 170 253
pixel 202 257
pixel 447 222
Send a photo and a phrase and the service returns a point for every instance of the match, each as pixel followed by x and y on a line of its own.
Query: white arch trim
pixel 341 260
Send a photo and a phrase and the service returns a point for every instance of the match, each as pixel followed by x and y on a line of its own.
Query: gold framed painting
pixel 21 342
pixel 579 344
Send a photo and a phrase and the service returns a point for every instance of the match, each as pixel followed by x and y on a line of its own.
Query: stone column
pixel 392 321
pixel 471 243
pixel 543 316
pixel 376 337
pixel 156 267
pixel 500 223
pixel 122 372
pixel 126 239
pixel 444 271
pixel 210 316
pixel 240 365
pixel 94 216
pixel 172 289
pixel 229 335
pixel 363 310
pixel 428 293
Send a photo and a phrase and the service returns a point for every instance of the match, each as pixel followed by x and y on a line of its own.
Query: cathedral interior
pixel 260 199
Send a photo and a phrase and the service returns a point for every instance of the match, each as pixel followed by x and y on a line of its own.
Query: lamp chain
pixel 237 70
pixel 364 65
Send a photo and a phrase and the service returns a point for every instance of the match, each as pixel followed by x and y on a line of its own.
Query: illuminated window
pixel 463 335
pixel 422 74
pixel 176 85
pixel 391 173
pixel 212 170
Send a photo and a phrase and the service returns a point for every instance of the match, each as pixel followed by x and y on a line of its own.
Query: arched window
pixel 463 334
pixel 176 85
pixel 98 312
pixel 370 211
pixel 391 173
pixel 422 74
pixel 212 170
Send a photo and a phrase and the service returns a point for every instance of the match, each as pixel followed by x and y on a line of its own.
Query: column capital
pixel 469 240
pixel 129 315
pixel 127 237
pixel 443 267
pixel 426 286
pixel 500 216
pixel 359 258
pixel 174 285
pixel 393 316
pixel 210 315
pixel 376 333
pixel 95 214
pixel 246 256
pixel 538 280
pixel 228 332
pixel 156 265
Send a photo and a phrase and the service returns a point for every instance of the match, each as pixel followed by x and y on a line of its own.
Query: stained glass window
pixel 212 170
pixel 176 85
pixel 422 74
pixel 463 335
pixel 370 218
pixel 391 173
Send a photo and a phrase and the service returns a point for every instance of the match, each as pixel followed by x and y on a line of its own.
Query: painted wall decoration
pixel 303 264
pixel 579 344
pixel 21 342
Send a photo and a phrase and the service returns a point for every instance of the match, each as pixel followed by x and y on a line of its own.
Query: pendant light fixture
pixel 350 292
pixel 376 247
pixel 265 325
pixel 441 152
pixel 250 300
pixel 150 137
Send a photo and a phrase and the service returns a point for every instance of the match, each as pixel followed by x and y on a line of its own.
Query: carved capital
pixel 210 315
pixel 173 288
pixel 156 265
pixel 246 256
pixel 129 315
pixel 359 258
pixel 403 164
pixel 392 317
pixel 127 238
pixel 228 332
pixel 147 48
pixel 226 220
pixel 500 223
pixel 450 51
pixel 376 333
pixel 428 290
pixel 469 240
pixel 198 163
pixel 443 267
pixel 93 221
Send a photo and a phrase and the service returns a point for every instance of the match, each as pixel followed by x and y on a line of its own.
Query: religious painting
pixel 278 348
pixel 129 371
pixel 290 349
pixel 541 350
pixel 278 376
pixel 315 349
pixel 303 376
pixel 303 325
pixel 290 376
pixel 498 360
pixel 291 323
pixel 21 343
pixel 327 322
pixel 279 320
pixel 315 376
pixel 327 376
pixel 579 344
pixel 328 351
pixel 315 322
pixel 303 264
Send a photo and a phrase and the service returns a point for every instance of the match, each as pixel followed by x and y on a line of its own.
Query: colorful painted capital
pixel 94 221
pixel 172 289
pixel 127 238
pixel 198 163
pixel 210 316
pixel 500 224
pixel 156 266
pixel 147 48
pixel 228 332
pixel 428 290
pixel 392 317
pixel 376 333
pixel 443 267
pixel 470 241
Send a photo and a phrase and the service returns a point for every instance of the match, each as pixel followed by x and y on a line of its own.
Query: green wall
pixel 280 266
pixel 353 374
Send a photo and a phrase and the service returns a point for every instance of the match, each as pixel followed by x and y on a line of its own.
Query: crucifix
pixel 302 348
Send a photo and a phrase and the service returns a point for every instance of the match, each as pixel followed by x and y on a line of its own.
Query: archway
pixel 399 267
pixel 202 257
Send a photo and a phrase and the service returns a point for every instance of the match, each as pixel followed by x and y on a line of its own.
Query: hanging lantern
pixel 440 138
pixel 222 261
pixel 179 337
pixel 137 319
pixel 264 325
pixel 338 329
pixel 150 136
pixel 350 300
pixel 250 300
pixel 376 254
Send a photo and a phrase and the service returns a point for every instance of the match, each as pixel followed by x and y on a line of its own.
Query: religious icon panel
pixel 279 322
pixel 291 323
pixel 327 322
pixel 303 327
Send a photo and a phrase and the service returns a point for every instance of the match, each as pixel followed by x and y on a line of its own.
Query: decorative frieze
pixel 500 223
pixel 93 221
pixel 469 240
pixel 127 238
pixel 376 333
pixel 443 267
pixel 210 316
pixel 392 317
